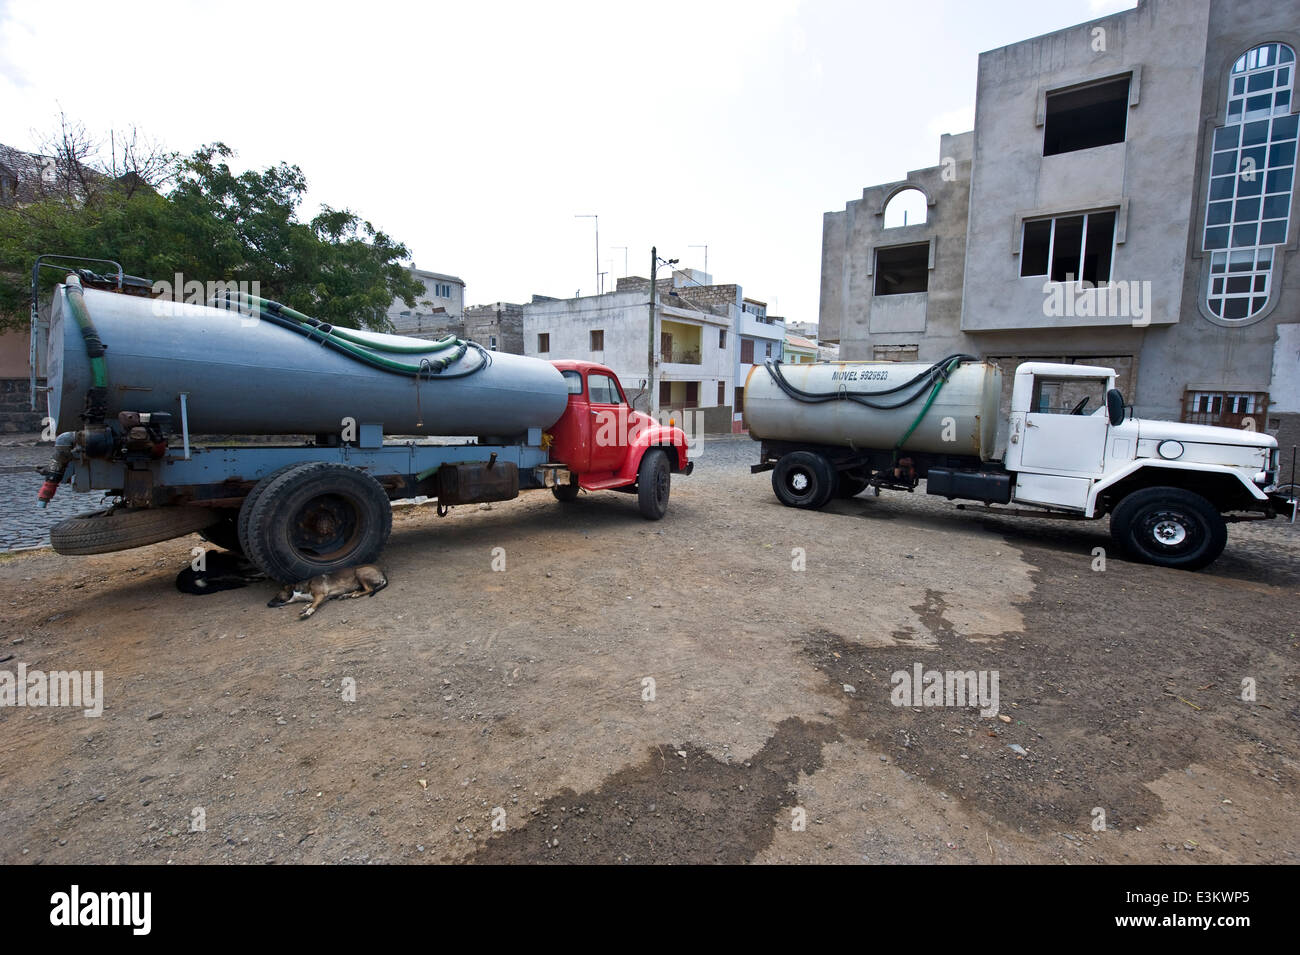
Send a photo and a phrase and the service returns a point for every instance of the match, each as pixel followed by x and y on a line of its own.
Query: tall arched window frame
pixel 1252 173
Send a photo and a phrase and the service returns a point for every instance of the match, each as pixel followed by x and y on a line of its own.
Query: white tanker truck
pixel 1069 448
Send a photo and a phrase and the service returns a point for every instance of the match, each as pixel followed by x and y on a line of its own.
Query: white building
pixel 759 336
pixel 437 312
pixel 693 346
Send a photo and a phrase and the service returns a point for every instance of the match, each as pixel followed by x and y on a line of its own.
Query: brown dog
pixel 363 581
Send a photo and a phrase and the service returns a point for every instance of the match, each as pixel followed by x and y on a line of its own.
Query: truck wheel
pixel 316 518
pixel 565 493
pixel 225 532
pixel 653 481
pixel 102 532
pixel 1169 527
pixel 250 500
pixel 851 486
pixel 803 479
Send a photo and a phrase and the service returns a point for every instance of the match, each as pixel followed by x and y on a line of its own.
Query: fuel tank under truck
pixel 875 404
pixel 260 373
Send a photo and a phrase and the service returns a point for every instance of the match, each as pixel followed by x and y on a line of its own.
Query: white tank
pixel 962 420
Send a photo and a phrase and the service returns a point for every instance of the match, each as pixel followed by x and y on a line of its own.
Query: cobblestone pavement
pixel 23 525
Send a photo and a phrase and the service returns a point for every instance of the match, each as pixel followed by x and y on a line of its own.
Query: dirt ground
pixel 503 715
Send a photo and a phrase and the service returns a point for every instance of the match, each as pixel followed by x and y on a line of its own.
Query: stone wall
pixel 16 414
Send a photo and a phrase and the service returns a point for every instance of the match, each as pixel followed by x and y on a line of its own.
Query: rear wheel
pixel 653 482
pixel 803 479
pixel 317 518
pixel 1170 527
pixel 225 532
pixel 250 501
pixel 850 486
pixel 566 493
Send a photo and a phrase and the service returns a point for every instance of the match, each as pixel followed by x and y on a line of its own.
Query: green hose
pixel 364 350
pixel 94 347
pixel 346 334
pixel 934 393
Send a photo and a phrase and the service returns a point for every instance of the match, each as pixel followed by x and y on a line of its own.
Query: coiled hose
pixel 359 348
pixel 936 375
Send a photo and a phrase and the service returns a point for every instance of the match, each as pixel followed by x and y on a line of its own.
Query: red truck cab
pixel 610 446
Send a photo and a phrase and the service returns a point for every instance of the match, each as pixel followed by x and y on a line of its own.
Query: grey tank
pixel 248 376
pixel 963 420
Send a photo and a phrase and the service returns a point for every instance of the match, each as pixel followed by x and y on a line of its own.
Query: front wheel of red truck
pixel 653 482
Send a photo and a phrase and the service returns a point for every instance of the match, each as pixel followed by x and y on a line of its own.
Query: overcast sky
pixel 475 131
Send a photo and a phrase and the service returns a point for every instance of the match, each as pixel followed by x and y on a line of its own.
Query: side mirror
pixel 1115 406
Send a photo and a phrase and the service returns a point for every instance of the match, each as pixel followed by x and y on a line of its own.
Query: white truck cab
pixel 1067 447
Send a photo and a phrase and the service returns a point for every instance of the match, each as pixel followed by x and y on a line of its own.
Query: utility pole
pixel 652 393
pixel 597 218
pixel 653 403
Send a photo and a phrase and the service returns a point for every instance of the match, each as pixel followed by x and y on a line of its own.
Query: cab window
pixel 603 390
pixel 574 381
pixel 1069 396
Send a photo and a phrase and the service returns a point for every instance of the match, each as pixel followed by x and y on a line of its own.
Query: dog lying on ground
pixel 221 571
pixel 363 581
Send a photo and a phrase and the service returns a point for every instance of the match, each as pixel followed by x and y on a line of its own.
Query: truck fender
pixel 1135 466
pixel 671 439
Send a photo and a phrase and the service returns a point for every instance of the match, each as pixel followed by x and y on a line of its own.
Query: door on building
pixel 692 394
pixel 747 351
pixel 722 393
pixel 666 346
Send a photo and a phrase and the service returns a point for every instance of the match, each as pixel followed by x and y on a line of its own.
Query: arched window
pixel 906 207
pixel 1252 174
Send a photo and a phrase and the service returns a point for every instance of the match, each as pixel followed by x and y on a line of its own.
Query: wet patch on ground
pixel 1118 679
pixel 671 807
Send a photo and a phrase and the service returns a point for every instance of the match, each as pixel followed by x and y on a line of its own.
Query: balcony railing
pixel 681 357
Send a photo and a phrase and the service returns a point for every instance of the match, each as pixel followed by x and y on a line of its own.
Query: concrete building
pixel 694 341
pixel 438 312
pixel 759 336
pixel 798 350
pixel 499 326
pixel 1126 198
pixel 802 329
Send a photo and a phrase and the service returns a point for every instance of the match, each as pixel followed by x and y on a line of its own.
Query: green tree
pixel 208 223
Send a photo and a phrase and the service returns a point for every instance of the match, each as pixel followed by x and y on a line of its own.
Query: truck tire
pixel 850 486
pixel 1169 527
pixel 250 499
pixel 565 493
pixel 102 532
pixel 803 479
pixel 224 532
pixel 316 518
pixel 653 482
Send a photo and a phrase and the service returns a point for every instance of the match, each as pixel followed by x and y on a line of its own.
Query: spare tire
pixel 102 532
